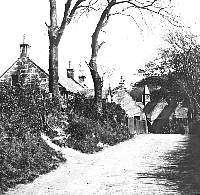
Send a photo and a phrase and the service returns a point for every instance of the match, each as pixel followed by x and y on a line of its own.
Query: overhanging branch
pixel 68 16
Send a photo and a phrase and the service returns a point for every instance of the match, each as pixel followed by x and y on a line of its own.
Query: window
pixel 15 79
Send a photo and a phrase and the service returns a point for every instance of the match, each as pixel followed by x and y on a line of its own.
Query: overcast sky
pixel 126 48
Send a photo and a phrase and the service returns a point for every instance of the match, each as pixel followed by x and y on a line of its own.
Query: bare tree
pixel 124 8
pixel 55 33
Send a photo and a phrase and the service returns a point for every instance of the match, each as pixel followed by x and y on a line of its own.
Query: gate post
pixel 131 124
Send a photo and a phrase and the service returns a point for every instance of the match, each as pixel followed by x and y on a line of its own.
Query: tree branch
pixel 130 16
pixel 89 66
pixel 67 16
pixel 138 6
pixel 99 27
pixel 76 6
pixel 100 45
pixel 47 25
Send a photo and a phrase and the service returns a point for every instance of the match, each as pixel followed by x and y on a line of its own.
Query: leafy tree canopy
pixel 176 70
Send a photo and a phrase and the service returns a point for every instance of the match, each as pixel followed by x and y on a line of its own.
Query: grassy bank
pixel 23 153
pixel 24 159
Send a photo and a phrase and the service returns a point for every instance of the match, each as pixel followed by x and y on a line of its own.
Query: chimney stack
pixel 70 71
pixel 24 47
pixel 122 82
pixel 109 95
pixel 81 77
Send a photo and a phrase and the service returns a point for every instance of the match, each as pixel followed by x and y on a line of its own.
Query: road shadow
pixel 181 167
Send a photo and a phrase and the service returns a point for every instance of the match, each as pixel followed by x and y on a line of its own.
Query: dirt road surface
pixel 146 164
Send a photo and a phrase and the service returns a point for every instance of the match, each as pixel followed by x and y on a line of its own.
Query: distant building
pixel 121 95
pixel 133 108
pixel 161 114
pixel 24 71
pixel 89 93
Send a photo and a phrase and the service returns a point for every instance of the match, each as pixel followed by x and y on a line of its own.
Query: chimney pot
pixel 82 79
pixel 70 73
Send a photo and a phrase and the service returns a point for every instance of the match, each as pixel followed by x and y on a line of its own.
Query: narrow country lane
pixel 147 164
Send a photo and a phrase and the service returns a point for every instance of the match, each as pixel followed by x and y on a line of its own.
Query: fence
pixel 137 126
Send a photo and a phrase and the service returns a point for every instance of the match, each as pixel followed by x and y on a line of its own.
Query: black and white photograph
pixel 100 97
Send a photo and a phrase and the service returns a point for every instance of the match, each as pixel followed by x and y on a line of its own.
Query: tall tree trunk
pixel 98 84
pixel 53 69
pixel 55 33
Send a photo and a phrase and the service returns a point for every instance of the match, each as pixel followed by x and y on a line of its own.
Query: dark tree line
pixel 176 71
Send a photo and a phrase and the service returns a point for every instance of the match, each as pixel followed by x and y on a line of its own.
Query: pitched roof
pixel 160 106
pixel 149 107
pixel 68 83
pixel 90 93
pixel 131 107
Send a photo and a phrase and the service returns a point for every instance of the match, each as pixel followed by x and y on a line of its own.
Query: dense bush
pixel 174 126
pixel 114 114
pixel 83 106
pixel 86 131
pixel 23 154
pixel 85 134
pixel 82 134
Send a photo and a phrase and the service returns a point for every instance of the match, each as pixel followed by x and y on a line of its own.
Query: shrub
pixel 23 159
pixel 112 112
pixel 86 131
pixel 85 134
pixel 111 136
pixel 23 153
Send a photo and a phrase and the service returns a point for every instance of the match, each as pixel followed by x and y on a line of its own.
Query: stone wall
pixel 26 72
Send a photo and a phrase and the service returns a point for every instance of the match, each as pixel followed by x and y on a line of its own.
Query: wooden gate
pixel 131 125
pixel 136 126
